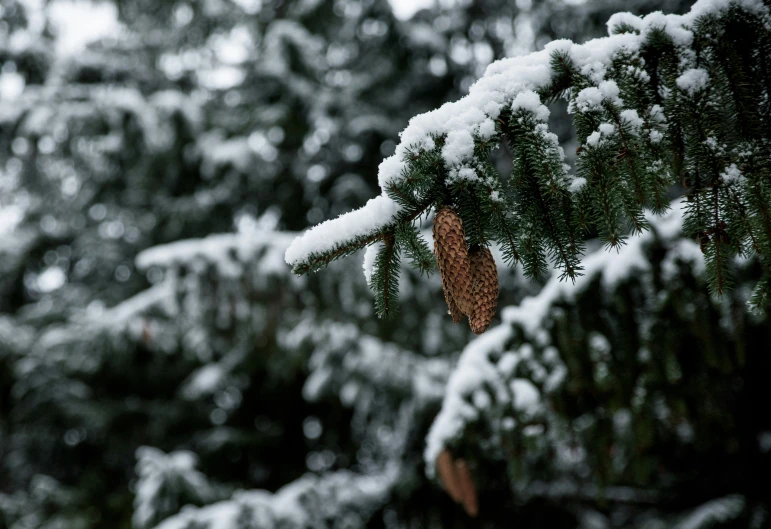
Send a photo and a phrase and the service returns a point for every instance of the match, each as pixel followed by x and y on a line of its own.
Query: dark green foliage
pixel 386 273
pixel 415 247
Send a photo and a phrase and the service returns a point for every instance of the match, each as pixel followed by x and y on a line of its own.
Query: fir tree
pixel 161 367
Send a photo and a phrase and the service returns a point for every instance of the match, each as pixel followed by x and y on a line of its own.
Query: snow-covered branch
pixel 639 97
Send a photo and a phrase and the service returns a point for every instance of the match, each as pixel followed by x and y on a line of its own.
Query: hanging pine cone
pixel 445 465
pixel 452 257
pixel 456 477
pixel 484 289
pixel 468 491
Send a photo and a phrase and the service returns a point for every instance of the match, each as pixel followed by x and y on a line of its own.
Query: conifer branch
pixel 386 278
pixel 660 99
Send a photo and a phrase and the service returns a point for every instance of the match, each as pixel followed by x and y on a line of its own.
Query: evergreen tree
pixel 161 367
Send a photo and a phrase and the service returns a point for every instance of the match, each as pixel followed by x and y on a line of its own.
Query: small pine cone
pixel 452 257
pixel 467 489
pixel 484 290
pixel 445 466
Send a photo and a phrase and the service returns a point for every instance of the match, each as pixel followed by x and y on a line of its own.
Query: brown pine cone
pixel 468 491
pixel 484 289
pixel 445 465
pixel 452 257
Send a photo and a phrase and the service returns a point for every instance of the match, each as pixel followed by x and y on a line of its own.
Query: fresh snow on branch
pixel 373 216
pixel 356 363
pixel 228 251
pixel 306 502
pixel 693 80
pixel 714 512
pixel 175 472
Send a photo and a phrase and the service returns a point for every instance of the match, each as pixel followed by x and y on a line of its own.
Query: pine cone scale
pixel 454 310
pixel 484 289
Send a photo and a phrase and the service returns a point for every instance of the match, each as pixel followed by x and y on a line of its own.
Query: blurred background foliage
pixel 154 349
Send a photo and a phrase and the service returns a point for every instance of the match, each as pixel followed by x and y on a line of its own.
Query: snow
pixel 555 379
pixel 157 470
pixel 11 85
pixel 610 91
pixel 577 184
pixel 174 100
pixel 604 130
pixel 732 175
pixel 589 98
pixel 218 152
pixel 529 101
pixel 593 139
pixel 639 73
pixel 714 512
pixel 79 23
pixel 405 9
pixel 376 214
pixel 203 381
pixel 50 279
pixel 607 128
pixel 458 147
pixel 657 114
pixel 672 26
pixel 133 306
pixel 684 251
pixel 329 495
pixel 309 501
pixel 508 363
pixel 480 381
pixel 526 396
pixel 463 173
pixel 617 19
pixel 227 251
pixel 630 116
pixel 481 400
pixel 705 7
pixel 595 71
pixel 369 260
pixel 344 357
pixel 693 80
pixel 487 128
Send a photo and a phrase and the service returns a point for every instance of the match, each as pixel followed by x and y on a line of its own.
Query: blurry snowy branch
pixel 334 500
pixel 166 482
pixel 359 367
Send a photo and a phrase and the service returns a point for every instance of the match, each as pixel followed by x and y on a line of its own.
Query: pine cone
pixel 445 465
pixel 452 257
pixel 468 491
pixel 484 289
